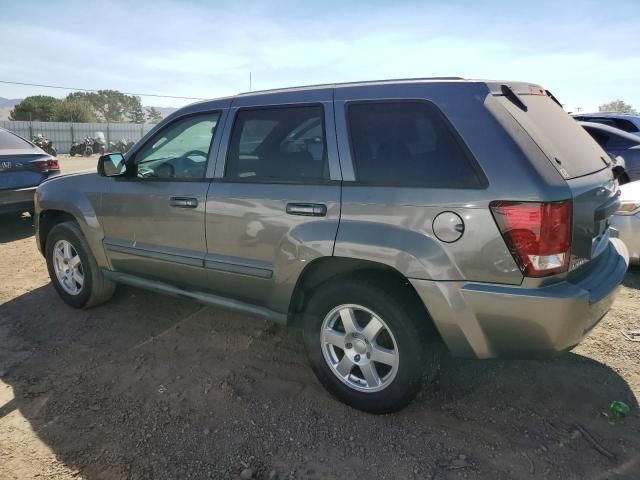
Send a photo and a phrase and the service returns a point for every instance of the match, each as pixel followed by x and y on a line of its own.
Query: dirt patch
pixel 149 386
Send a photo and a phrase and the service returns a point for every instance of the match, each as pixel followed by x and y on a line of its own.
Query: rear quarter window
pixel 408 143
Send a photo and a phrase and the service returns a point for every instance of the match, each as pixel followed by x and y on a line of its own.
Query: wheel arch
pixel 48 219
pixel 324 269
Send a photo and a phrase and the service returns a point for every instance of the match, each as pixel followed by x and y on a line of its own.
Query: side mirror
pixel 111 165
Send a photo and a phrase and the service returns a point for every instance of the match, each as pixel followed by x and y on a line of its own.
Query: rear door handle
pixel 307 209
pixel 184 202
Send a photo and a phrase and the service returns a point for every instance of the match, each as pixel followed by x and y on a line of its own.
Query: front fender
pixel 79 196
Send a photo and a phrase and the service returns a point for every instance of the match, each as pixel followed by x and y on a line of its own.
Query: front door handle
pixel 307 209
pixel 184 202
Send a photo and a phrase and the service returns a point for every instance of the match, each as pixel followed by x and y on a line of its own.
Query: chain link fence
pixel 63 134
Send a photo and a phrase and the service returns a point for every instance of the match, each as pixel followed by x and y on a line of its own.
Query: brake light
pixel 47 165
pixel 535 90
pixel 538 234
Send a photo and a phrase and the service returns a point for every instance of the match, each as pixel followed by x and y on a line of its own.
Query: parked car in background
pixel 617 143
pixel 378 216
pixel 627 220
pixel 23 166
pixel 623 121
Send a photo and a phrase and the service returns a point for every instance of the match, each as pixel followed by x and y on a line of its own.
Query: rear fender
pixel 413 254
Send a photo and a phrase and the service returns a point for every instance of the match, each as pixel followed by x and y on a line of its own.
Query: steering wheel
pixel 166 170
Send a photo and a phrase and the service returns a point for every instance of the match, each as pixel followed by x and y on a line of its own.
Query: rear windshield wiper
pixel 508 92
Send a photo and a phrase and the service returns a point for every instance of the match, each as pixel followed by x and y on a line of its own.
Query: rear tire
pixel 95 288
pixel 407 353
pixel 88 152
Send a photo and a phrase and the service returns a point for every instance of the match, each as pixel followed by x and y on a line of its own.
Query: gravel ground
pixel 155 387
pixel 69 164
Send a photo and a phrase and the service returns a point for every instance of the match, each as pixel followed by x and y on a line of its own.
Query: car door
pixel 153 218
pixel 274 206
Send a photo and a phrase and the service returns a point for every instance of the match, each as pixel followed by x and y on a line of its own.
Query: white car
pixel 627 220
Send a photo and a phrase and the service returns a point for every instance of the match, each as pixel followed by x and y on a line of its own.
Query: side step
pixel 206 298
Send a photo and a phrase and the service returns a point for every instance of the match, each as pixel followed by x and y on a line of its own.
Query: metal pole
pixel 108 137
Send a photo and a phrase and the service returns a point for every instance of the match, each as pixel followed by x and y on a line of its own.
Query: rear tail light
pixel 47 165
pixel 538 234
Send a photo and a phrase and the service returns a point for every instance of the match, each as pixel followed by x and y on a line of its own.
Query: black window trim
pixel 276 181
pixel 204 178
pixel 483 182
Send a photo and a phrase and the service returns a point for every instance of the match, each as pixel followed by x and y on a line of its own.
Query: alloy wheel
pixel 359 348
pixel 68 267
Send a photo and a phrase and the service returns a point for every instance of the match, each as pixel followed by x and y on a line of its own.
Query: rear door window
pixel 408 143
pixel 278 144
pixel 569 147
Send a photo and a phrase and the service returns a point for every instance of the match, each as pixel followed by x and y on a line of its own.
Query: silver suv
pixel 384 218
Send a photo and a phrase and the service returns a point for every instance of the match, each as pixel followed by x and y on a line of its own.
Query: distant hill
pixel 7 104
pixel 166 111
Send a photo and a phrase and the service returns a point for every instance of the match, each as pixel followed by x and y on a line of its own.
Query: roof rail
pixel 341 84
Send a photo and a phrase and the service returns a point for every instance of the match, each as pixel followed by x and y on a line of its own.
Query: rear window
pixel 625 125
pixel 408 143
pixel 569 147
pixel 9 141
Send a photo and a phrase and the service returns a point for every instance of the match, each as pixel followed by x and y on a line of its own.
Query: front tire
pixel 73 269
pixel 368 343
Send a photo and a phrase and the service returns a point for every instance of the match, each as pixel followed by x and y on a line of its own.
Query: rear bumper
pixel 486 321
pixel 628 227
pixel 18 200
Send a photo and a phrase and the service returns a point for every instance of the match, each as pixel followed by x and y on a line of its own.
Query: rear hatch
pixel 578 159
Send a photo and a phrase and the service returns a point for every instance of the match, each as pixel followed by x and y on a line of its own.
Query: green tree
pixel 153 115
pixel 617 106
pixel 74 110
pixel 36 108
pixel 112 105
pixel 134 111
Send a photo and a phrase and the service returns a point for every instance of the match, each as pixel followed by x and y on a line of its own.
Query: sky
pixel 585 52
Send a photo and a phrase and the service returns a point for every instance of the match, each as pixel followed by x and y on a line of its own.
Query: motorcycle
pixel 99 143
pixel 45 144
pixel 82 148
pixel 99 146
pixel 123 145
